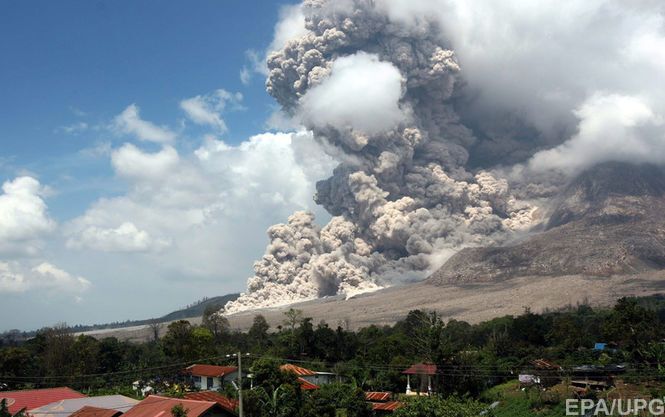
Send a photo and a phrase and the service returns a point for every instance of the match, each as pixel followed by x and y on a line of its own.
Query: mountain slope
pixel 609 220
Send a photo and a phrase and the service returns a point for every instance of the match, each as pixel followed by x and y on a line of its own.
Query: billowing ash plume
pixel 453 121
pixel 379 96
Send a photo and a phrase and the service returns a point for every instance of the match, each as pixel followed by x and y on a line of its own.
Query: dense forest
pixel 471 359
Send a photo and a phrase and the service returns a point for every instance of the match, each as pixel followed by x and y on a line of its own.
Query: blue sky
pixel 69 70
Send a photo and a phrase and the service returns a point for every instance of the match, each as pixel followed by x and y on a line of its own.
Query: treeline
pixel 470 358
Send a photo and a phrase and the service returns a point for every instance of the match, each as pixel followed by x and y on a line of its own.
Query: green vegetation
pixel 477 364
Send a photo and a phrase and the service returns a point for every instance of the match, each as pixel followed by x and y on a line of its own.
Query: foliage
pixel 440 407
pixel 4 410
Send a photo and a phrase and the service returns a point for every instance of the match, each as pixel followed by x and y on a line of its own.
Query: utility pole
pixel 240 384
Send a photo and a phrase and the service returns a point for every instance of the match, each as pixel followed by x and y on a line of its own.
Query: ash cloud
pixel 453 123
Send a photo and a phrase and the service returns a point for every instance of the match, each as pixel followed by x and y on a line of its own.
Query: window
pixel 210 383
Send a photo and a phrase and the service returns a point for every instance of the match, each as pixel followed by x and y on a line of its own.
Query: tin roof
pixel 378 396
pixel 299 371
pixel 210 370
pixel 305 385
pixel 421 369
pixel 30 399
pixel 225 402
pixel 389 406
pixel 65 408
pixel 89 411
pixel 156 406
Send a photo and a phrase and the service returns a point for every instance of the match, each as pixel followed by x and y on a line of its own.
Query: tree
pixel 438 407
pixel 178 341
pixel 215 322
pixel 155 330
pixel 179 411
pixel 258 333
pixel 58 350
pixel 4 410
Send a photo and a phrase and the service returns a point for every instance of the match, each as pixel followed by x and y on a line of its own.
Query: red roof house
pixel 211 377
pixel 226 403
pixel 35 398
pixel 299 371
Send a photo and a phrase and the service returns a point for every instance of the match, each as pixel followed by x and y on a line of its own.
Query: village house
pixel 211 377
pixel 309 379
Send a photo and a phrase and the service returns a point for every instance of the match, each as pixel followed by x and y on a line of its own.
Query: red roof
pixel 305 385
pixel 29 399
pixel 389 406
pixel 378 396
pixel 299 371
pixel 226 403
pixel 156 406
pixel 210 370
pixel 421 369
pixel 89 411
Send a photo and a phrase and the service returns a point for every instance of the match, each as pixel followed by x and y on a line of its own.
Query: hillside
pixel 609 220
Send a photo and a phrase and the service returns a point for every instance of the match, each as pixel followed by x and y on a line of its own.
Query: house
pixel 310 379
pixel 425 372
pixel 35 398
pixel 543 373
pixel 66 408
pixel 89 411
pixel 211 377
pixel 381 402
pixel 226 403
pixel 156 406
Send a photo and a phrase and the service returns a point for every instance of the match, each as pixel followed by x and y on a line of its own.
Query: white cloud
pixel 16 277
pixel 361 93
pixel 207 109
pixel 24 218
pixel 130 122
pixel 245 76
pixel 612 128
pixel 131 162
pixel 125 238
pixel 291 25
pixel 74 128
pixel 202 214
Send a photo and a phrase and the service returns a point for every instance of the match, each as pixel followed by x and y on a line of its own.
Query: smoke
pixel 452 122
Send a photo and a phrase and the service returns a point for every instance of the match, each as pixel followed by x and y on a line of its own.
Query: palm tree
pixel 4 410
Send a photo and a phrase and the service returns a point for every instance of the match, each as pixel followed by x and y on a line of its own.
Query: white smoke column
pixel 381 95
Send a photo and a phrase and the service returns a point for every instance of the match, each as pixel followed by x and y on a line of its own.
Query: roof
pixel 378 396
pixel 299 371
pixel 156 406
pixel 64 408
pixel 545 365
pixel 225 402
pixel 210 370
pixel 30 399
pixel 421 369
pixel 389 406
pixel 305 385
pixel 89 411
